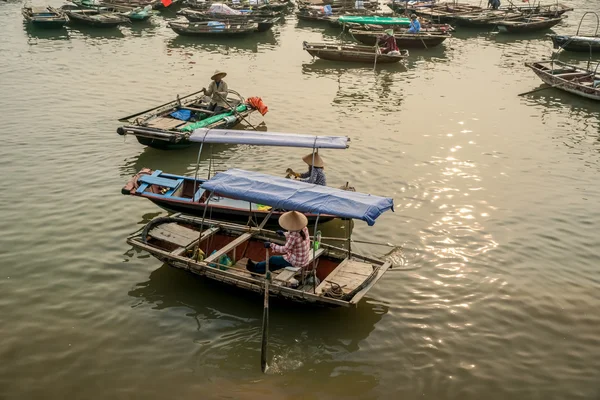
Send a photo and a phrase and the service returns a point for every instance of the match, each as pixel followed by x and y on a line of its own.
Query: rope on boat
pixel 334 290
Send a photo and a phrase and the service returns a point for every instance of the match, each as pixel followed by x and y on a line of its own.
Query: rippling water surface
pixel 497 207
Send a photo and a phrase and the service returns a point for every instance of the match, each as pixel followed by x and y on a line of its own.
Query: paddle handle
pixel 265 324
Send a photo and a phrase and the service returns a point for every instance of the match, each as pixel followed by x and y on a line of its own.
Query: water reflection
pixel 34 33
pixel 89 32
pixel 215 306
pixel 254 43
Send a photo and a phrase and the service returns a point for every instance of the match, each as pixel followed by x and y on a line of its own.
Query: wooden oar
pixel 376 53
pixel 265 324
pixel 162 105
pixel 535 90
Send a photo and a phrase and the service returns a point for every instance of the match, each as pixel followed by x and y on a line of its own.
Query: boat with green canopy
pixel 169 125
pixel 373 20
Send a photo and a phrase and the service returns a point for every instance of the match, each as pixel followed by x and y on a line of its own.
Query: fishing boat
pixel 402 6
pixel 93 17
pixel 169 125
pixel 44 17
pixel 583 82
pixel 527 24
pixel 352 53
pixel 179 193
pixel 422 40
pixel 446 12
pixel 202 16
pixel 256 5
pixel 213 28
pixel 485 18
pixel 219 250
pixel 134 14
pixel 577 42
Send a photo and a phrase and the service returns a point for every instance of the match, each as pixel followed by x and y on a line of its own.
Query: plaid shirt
pixel 295 251
pixel 315 175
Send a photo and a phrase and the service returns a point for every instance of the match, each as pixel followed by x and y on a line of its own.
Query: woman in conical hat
pixel 296 251
pixel 217 90
pixel 315 172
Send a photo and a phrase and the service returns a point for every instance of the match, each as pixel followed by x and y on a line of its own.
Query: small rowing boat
pixel 577 42
pixel 352 53
pixel 582 82
pixel 179 193
pixel 170 125
pixel 213 28
pixel 373 20
pixel 94 17
pixel 44 17
pixel 527 24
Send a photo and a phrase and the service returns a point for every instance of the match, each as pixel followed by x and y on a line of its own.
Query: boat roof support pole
pixel 314 249
pixel 202 224
pixel 198 166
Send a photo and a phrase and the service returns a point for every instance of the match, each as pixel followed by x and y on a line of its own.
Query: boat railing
pixel 581 21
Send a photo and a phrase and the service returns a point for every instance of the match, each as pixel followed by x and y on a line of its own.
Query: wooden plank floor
pixel 174 233
pixel 350 274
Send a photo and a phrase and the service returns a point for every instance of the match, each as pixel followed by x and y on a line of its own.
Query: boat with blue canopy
pixel 179 193
pixel 219 250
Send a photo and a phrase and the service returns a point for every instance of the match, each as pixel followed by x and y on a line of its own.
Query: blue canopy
pixel 290 194
pixel 232 136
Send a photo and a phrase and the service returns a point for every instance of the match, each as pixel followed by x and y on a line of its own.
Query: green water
pixel 496 197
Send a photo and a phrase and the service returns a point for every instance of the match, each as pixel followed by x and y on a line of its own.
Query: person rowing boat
pixel 217 91
pixel 389 41
pixel 315 172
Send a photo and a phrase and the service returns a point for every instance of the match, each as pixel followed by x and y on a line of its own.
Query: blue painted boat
pixel 45 17
pixel 184 194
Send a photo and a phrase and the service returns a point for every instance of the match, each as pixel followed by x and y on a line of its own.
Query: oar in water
pixel 162 105
pixel 265 324
pixel 535 90
pixel 376 53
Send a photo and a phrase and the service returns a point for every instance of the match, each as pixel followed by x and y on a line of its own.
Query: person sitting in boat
pixel 217 91
pixel 415 25
pixel 495 4
pixel 315 172
pixel 389 43
pixel 296 250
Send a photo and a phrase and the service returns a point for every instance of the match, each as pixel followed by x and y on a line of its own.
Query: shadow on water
pixel 326 68
pixel 254 43
pixel 141 28
pixel 34 32
pixel 169 287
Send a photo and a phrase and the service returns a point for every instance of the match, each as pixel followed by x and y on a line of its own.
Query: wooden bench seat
pixel 230 246
pixel 198 239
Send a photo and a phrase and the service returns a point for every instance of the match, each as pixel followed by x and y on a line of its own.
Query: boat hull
pixel 576 44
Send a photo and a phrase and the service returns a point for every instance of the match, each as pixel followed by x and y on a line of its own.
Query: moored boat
pixel 169 125
pixel 527 24
pixel 577 42
pixel 213 28
pixel 219 250
pixel 133 13
pixel 403 40
pixel 203 16
pixel 44 17
pixel 583 82
pixel 93 17
pixel 352 53
pixel 373 20
pixel 183 194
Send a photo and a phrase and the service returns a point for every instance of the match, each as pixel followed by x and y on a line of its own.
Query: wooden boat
pixel 351 53
pixel 275 6
pixel 446 12
pixel 373 20
pixel 95 18
pixel 485 18
pixel 580 81
pixel 527 24
pixel 156 4
pixel 162 126
pixel 203 16
pixel 401 6
pixel 219 250
pixel 577 42
pixel 183 194
pixel 134 14
pixel 403 40
pixel 44 17
pixel 213 28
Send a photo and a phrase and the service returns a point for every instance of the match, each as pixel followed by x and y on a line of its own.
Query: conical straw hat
pixel 218 72
pixel 293 221
pixel 318 160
